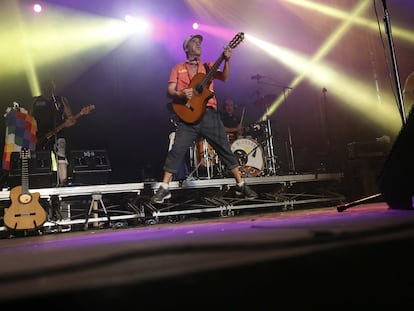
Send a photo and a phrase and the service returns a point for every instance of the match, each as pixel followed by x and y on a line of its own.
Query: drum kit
pixel 253 150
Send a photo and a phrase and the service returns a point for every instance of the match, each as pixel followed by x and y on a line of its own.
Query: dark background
pixel 128 83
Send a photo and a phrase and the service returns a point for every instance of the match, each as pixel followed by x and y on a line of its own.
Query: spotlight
pixel 37 8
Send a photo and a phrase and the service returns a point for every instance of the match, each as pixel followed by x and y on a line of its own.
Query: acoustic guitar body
pixel 25 212
pixel 192 111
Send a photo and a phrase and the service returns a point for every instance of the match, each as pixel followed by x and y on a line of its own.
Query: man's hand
pixel 70 122
pixel 188 93
pixel 227 53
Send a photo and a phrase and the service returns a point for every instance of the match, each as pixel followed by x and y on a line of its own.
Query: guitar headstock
pixel 236 40
pixel 25 154
pixel 87 109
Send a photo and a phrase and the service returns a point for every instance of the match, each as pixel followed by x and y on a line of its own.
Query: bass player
pixel 50 112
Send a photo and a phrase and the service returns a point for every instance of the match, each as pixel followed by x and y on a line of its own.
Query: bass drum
pixel 250 155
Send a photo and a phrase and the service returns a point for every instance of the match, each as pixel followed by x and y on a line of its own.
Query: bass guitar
pixel 191 111
pixel 45 139
pixel 25 211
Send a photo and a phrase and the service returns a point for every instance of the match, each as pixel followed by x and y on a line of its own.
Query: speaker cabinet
pixel 40 170
pixel 395 180
pixel 90 167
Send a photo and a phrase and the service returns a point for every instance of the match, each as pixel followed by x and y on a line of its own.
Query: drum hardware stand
pixel 190 175
pixel 96 198
pixel 292 157
pixel 270 156
pixel 269 151
pixel 207 158
pixel 290 147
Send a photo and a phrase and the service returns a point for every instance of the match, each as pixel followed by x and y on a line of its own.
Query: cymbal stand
pixel 290 145
pixel 292 157
pixel 193 162
pixel 269 151
pixel 291 154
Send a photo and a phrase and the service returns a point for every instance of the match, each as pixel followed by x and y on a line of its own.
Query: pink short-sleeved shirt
pixel 180 75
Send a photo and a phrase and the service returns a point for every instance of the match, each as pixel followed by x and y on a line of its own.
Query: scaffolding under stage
pixel 190 196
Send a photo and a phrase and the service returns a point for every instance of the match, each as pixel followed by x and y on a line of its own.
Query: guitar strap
pixel 207 67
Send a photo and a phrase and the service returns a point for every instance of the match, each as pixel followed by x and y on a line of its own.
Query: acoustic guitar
pixel 25 211
pixel 45 139
pixel 191 111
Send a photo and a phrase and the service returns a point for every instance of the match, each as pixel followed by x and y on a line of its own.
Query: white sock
pixel 164 185
pixel 240 184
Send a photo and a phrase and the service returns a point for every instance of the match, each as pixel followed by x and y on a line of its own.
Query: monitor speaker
pixel 395 179
pixel 90 166
pixel 40 170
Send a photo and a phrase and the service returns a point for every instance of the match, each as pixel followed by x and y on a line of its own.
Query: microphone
pixel 256 77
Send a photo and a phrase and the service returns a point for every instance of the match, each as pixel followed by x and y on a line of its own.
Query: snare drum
pixel 205 155
pixel 250 155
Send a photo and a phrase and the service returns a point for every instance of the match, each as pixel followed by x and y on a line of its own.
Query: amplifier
pixel 368 149
pixel 40 170
pixel 40 162
pixel 90 166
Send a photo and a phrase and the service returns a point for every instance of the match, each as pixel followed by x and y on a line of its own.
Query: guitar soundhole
pixel 25 198
pixel 199 89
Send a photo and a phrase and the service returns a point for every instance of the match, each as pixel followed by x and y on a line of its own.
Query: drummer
pixel 231 120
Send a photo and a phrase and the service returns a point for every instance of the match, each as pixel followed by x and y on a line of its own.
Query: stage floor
pixel 313 258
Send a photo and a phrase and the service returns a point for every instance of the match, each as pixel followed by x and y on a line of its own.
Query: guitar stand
pixel 96 198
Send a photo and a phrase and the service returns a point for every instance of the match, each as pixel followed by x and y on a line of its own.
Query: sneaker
pixel 161 195
pixel 246 192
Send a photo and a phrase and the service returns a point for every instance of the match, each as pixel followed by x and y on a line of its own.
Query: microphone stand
pixel 387 24
pixel 55 138
pixel 343 207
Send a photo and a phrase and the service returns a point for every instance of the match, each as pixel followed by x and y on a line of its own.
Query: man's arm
pixel 224 74
pixel 70 121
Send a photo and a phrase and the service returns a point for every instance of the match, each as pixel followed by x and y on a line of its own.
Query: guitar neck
pixel 61 127
pixel 25 175
pixel 210 75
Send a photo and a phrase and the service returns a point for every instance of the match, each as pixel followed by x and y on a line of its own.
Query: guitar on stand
pixel 192 110
pixel 25 212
